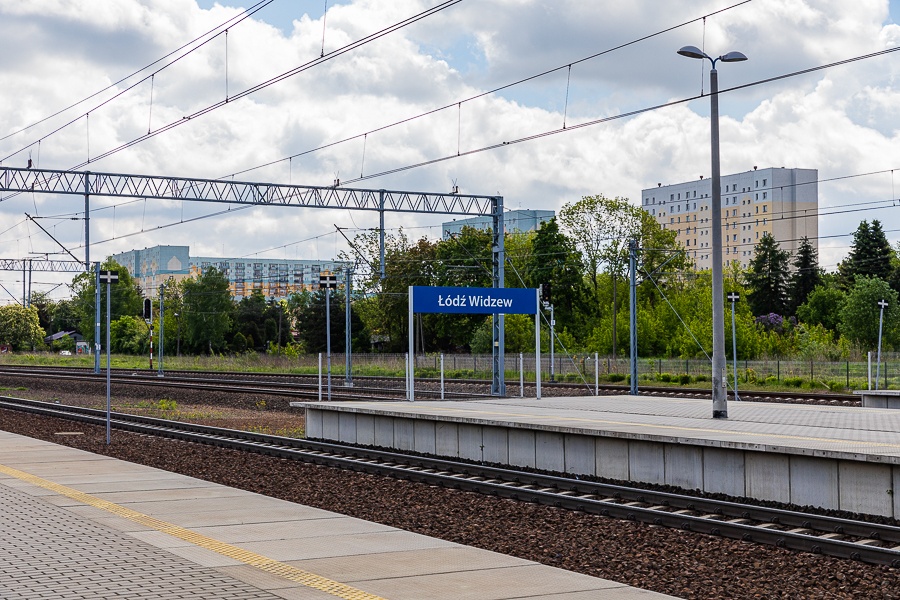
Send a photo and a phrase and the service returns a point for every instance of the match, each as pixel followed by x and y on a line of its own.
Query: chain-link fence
pixel 583 367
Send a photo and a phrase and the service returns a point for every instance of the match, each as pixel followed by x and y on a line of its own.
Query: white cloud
pixel 842 121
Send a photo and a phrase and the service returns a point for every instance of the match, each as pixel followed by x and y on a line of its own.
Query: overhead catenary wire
pixel 214 32
pixel 276 79
pixel 632 113
pixel 494 90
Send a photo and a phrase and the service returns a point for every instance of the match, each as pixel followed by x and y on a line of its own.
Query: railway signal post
pixel 882 304
pixel 328 282
pixel 108 277
pixel 733 297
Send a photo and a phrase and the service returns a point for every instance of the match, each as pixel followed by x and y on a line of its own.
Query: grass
pixel 262 363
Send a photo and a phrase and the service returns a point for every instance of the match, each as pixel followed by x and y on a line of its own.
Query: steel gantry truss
pixel 27 265
pixel 119 185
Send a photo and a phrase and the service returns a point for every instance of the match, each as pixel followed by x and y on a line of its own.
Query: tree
pixel 554 262
pixel 860 313
pixel 384 310
pixel 125 299
pixel 807 275
pixel 822 307
pixel 207 312
pixel 870 255
pixel 601 228
pixel 312 324
pixel 20 327
pixel 767 278
pixel 129 335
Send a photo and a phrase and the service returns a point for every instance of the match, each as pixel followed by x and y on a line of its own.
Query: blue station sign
pixel 472 300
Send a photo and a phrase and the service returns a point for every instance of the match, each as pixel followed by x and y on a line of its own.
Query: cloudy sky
pixel 842 120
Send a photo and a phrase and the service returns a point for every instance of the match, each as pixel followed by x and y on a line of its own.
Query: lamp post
pixel 719 394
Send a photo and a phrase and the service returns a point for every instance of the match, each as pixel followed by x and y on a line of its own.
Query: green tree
pixel 555 262
pixel 44 305
pixel 601 228
pixel 806 276
pixel 767 278
pixel 860 313
pixel 384 310
pixel 63 317
pixel 311 323
pixel 20 327
pixel 129 335
pixel 822 307
pixel 207 312
pixel 870 255
pixel 125 299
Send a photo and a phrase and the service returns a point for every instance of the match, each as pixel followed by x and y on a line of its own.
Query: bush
pixel 614 377
pixel 749 376
pixel 699 378
pixel 684 379
pixel 664 377
pixel 771 380
pixel 793 381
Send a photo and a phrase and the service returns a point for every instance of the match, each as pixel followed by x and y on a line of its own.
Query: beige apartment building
pixel 781 202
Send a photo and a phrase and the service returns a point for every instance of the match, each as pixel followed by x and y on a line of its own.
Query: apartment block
pixel 781 202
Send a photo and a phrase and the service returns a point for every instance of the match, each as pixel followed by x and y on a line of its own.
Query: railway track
pixel 845 538
pixel 388 388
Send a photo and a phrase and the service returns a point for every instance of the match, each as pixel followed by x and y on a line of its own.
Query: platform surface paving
pixel 824 431
pixel 81 525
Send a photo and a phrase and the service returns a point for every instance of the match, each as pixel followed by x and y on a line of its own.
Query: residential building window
pixel 765 208
pixel 764 195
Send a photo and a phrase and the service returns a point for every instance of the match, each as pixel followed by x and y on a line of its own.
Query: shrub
pixel 793 381
pixel 771 380
pixel 664 377
pixel 684 379
pixel 613 377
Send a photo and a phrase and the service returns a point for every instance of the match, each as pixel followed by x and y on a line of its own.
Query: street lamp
pixel 719 394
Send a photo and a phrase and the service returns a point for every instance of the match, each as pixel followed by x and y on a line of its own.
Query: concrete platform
pixel 879 398
pixel 831 457
pixel 79 525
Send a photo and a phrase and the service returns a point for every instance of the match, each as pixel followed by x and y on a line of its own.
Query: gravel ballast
pixel 679 563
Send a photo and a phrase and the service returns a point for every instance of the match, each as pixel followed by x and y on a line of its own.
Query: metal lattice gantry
pixel 239 192
pixel 119 185
pixel 41 264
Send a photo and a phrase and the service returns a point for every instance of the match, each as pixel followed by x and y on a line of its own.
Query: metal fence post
pixel 596 373
pixel 320 376
pixel 521 375
pixel 442 375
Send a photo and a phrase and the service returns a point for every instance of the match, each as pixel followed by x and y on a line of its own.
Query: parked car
pixel 65 353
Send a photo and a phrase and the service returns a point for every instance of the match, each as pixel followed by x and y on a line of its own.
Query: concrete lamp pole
pixel 719 381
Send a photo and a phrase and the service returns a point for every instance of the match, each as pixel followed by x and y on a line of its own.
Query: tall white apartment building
pixel 781 202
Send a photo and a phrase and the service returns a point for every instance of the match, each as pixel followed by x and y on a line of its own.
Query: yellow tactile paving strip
pixel 253 559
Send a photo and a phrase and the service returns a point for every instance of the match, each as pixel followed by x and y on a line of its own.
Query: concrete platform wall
pixel 855 486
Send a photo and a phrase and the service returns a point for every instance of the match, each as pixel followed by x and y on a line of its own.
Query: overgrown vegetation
pixel 791 307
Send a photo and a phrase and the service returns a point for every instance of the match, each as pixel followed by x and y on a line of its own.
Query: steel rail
pixel 748 395
pixel 270 388
pixel 845 538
